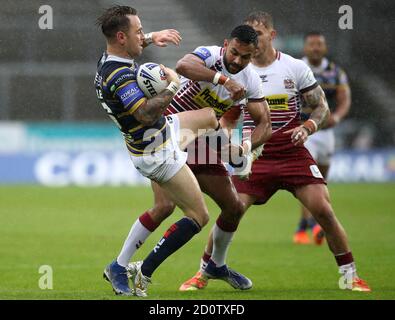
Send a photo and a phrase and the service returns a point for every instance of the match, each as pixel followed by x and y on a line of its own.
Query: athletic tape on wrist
pixel 148 38
pixel 216 78
pixel 311 126
pixel 173 87
pixel 219 78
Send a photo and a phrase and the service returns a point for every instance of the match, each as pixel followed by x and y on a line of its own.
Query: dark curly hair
pixel 245 34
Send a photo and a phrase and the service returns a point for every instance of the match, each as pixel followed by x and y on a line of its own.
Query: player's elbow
pixel 182 67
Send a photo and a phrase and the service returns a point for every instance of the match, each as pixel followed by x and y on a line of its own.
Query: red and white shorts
pixel 285 171
pixel 202 159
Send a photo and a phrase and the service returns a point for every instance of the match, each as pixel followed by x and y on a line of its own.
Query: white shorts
pixel 163 165
pixel 321 145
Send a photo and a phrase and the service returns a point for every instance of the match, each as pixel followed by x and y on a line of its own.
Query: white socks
pixel 136 237
pixel 221 242
pixel 349 271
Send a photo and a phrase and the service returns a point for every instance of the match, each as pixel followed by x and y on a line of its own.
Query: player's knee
pixel 162 210
pixel 324 214
pixel 201 217
pixel 233 211
pixel 239 210
pixel 204 219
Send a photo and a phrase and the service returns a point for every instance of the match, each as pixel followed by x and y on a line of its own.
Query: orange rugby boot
pixel 360 285
pixel 197 282
pixel 301 237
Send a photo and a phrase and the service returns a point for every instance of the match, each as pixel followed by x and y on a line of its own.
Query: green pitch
pixel 77 231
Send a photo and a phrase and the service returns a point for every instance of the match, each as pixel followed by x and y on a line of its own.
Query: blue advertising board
pixel 95 155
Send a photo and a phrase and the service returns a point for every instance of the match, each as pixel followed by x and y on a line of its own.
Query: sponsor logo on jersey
pixel 264 78
pixel 207 98
pixel 218 65
pixel 203 53
pixel 127 76
pixel 289 83
pixel 130 92
pixel 316 172
pixel 278 102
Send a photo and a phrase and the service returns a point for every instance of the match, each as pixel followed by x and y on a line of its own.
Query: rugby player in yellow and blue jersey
pixel 334 81
pixel 151 138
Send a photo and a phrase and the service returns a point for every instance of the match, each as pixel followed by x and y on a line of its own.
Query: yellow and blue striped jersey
pixel 330 77
pixel 118 92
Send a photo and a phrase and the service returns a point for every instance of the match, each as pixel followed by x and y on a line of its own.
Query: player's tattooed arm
pixel 152 109
pixel 316 100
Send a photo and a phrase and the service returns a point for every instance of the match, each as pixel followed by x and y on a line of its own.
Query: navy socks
pixel 173 239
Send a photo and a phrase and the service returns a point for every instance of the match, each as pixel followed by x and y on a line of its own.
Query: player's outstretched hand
pixel 236 90
pixel 170 74
pixel 164 37
pixel 299 135
pixel 243 172
pixel 249 156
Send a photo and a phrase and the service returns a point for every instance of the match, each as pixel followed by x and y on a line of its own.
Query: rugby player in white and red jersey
pixel 285 162
pixel 218 78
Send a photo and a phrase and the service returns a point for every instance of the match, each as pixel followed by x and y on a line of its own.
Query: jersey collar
pixel 111 57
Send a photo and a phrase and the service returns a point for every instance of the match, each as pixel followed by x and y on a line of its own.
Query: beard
pixel 230 66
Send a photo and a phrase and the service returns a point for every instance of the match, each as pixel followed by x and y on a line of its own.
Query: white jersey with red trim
pixel 194 95
pixel 283 81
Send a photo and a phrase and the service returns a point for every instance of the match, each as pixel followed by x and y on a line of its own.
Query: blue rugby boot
pixel 117 276
pixel 235 279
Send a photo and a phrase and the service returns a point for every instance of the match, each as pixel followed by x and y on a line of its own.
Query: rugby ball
pixel 151 79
